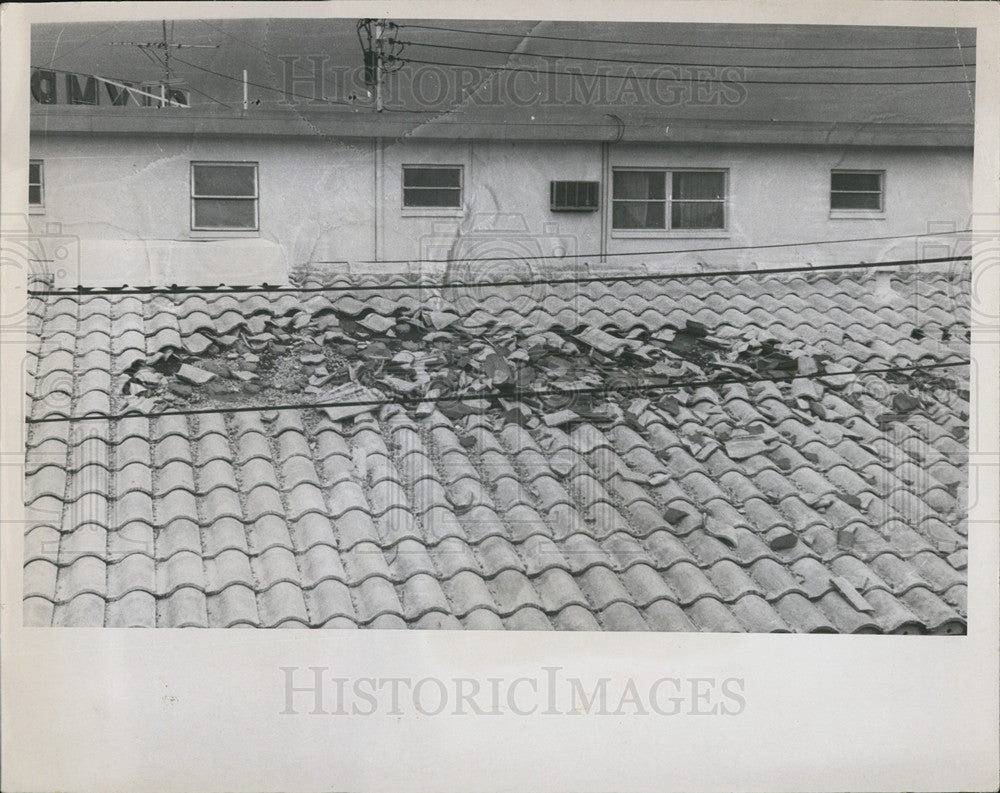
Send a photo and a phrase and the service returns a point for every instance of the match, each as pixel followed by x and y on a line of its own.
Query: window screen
pixel 224 196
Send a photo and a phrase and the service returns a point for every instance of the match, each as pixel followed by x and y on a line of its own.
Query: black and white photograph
pixel 529 326
pixel 542 361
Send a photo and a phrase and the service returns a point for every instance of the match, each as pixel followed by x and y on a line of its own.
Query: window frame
pixel 853 212
pixel 668 230
pixel 255 198
pixel 425 211
pixel 40 206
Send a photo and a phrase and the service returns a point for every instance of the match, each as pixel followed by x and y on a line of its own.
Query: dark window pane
pixel 856 182
pixel 639 215
pixel 34 194
pixel 432 177
pixel 856 201
pixel 700 185
pixel 422 197
pixel 640 184
pixel 224 180
pixel 697 215
pixel 221 213
pixel 35 172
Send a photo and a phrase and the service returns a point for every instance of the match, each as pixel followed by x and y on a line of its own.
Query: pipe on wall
pixel 378 149
pixel 605 206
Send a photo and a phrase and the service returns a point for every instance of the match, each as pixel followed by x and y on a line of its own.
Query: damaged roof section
pixel 694 456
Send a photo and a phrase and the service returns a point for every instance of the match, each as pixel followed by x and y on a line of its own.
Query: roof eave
pixel 366 124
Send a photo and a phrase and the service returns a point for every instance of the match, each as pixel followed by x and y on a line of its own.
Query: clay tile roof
pixel 826 504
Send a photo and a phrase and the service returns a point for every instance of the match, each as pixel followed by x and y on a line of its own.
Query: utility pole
pixel 166 58
pixel 381 54
pixel 379 30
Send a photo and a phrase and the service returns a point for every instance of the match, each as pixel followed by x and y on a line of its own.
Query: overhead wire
pixel 266 87
pixel 356 118
pixel 688 44
pixel 355 104
pixel 674 79
pixel 190 87
pixel 639 277
pixel 207 96
pixel 493 284
pixel 644 62
pixel 710 249
pixel 531 70
pixel 461 397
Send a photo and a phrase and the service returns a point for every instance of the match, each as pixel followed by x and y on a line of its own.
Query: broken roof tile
pixel 590 513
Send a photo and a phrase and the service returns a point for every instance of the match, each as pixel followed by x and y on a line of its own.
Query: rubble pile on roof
pixel 736 501
pixel 349 356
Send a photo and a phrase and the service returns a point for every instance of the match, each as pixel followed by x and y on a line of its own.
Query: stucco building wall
pixel 127 198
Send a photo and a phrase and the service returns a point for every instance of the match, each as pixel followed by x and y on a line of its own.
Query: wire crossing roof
pixel 548 80
pixel 827 504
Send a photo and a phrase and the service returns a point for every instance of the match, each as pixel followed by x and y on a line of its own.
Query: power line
pixel 647 388
pixel 355 118
pixel 265 52
pixel 164 63
pixel 640 62
pixel 675 79
pixel 269 87
pixel 611 279
pixel 712 249
pixel 212 98
pixel 631 42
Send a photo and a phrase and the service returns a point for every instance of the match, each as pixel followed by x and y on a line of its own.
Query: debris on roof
pixel 602 460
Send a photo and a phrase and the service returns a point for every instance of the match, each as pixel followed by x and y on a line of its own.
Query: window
pixel 432 186
pixel 696 199
pixel 224 196
pixel 573 196
pixel 36 184
pixel 639 200
pixel 862 190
